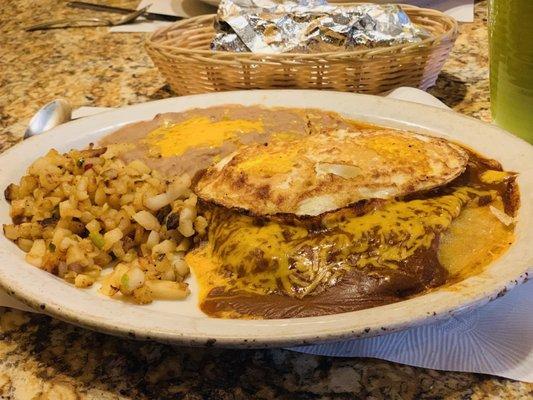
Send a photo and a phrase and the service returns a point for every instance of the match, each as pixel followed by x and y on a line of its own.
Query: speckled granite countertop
pixel 42 358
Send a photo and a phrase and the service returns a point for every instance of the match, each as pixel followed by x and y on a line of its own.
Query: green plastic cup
pixel 511 65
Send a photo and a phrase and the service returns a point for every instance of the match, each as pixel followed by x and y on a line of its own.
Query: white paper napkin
pixel 461 10
pixel 496 339
pixel 180 8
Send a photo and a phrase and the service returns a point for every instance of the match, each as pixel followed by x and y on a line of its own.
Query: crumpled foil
pixel 309 26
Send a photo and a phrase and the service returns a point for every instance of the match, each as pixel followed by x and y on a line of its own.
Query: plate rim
pixel 72 316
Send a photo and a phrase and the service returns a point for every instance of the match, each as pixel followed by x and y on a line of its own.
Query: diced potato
pixel 66 209
pixel 168 275
pixel 75 256
pixel 66 243
pixel 86 217
pixel 181 267
pixel 187 216
pixel 130 211
pixel 102 259
pixel 25 244
pixel 180 187
pixel 157 202
pixel 139 167
pixel 184 245
pixel 93 226
pixel 167 290
pixel 165 247
pixel 37 252
pixel 11 232
pixel 200 225
pixel 131 280
pixel 100 196
pixel 83 281
pixel 143 295
pixel 147 220
pixel 111 237
pixel 76 213
pixel 153 239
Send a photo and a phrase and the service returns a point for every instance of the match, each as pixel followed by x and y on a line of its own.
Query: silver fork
pixel 87 22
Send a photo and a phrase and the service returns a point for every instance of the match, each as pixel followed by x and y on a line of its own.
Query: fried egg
pixel 312 175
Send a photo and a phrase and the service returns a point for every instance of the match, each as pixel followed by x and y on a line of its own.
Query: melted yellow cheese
pixel 474 239
pixel 270 163
pixel 492 176
pixel 175 139
pixel 262 258
pixel 401 147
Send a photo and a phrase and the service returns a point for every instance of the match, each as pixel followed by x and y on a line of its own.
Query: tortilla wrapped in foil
pixel 309 26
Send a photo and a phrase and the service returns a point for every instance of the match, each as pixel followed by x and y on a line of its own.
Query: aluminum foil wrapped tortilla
pixel 309 26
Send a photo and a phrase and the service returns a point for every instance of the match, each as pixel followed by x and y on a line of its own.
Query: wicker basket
pixel 181 52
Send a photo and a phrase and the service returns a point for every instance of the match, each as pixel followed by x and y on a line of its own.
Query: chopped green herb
pixel 97 239
pixel 80 162
pixel 124 281
pixel 51 247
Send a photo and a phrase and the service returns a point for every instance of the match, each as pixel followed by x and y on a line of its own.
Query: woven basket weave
pixel 181 52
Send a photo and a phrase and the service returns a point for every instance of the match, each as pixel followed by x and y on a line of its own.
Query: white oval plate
pixel 181 321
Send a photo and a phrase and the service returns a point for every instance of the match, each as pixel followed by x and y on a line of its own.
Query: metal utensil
pixel 87 22
pixel 49 116
pixel 119 10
